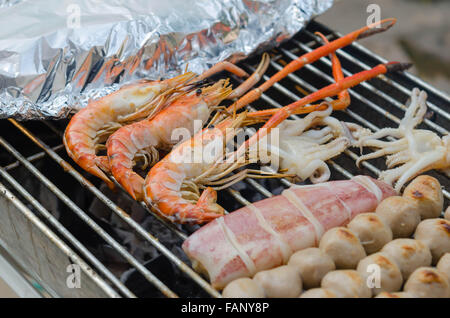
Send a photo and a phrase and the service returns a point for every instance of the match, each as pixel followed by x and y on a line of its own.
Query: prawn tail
pixel 134 185
pixel 89 163
pixel 103 163
pixel 207 202
pixel 204 211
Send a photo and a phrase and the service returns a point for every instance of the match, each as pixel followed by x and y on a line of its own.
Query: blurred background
pixel 421 35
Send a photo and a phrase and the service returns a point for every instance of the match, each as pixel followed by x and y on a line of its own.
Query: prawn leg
pixel 343 97
pixel 311 57
pixel 253 79
pixel 219 67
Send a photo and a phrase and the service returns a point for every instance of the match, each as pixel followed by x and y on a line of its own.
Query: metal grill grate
pixel 33 151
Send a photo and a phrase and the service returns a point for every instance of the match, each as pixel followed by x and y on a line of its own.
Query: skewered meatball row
pixel 343 264
pixel 399 217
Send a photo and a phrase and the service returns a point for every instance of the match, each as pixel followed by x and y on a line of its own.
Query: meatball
pixel 444 265
pixel 427 193
pixel 409 255
pixel 312 264
pixel 343 246
pixel 428 282
pixel 243 288
pixel 372 231
pixel 318 293
pixel 346 283
pixel 435 233
pixel 280 282
pixel 400 214
pixel 380 273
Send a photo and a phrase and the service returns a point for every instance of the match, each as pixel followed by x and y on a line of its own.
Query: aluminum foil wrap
pixel 56 55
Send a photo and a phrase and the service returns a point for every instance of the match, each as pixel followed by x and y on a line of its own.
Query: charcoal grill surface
pixel 134 252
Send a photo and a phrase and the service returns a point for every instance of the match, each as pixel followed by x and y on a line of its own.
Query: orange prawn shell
pixel 157 133
pixel 79 136
pixel 162 187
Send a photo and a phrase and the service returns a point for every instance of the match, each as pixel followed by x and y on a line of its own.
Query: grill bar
pixel 303 42
pixel 73 257
pixel 125 217
pixel 63 231
pixel 169 225
pixel 122 251
pixel 32 158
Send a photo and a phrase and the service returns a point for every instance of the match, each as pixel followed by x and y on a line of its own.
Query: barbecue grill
pixel 54 215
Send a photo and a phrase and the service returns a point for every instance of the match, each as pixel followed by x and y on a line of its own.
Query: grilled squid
pixel 303 148
pixel 414 151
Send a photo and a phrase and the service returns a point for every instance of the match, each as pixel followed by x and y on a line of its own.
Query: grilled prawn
pixel 172 186
pixel 146 137
pixel 92 125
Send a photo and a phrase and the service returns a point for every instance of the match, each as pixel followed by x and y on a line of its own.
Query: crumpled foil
pixel 57 55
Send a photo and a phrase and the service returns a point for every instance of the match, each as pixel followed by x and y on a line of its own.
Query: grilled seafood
pixel 92 125
pixel 146 137
pixel 302 151
pixel 415 150
pixel 297 139
pixel 172 186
